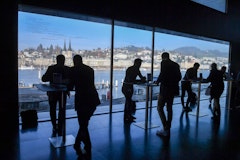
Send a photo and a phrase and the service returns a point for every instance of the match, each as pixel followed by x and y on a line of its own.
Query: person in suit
pixel 186 85
pixel 225 74
pixel 127 89
pixel 57 74
pixel 169 78
pixel 215 77
pixel 86 100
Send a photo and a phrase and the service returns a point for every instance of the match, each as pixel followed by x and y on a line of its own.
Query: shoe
pixel 163 133
pixel 77 149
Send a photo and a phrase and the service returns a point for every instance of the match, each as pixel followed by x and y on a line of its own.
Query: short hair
pixel 224 67
pixel 196 65
pixel 77 59
pixel 165 55
pixel 214 65
pixel 60 59
pixel 137 61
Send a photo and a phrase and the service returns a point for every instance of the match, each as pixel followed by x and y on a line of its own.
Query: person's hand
pixel 155 82
pixel 143 80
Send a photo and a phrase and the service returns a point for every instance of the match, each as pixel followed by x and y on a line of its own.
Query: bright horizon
pixel 35 29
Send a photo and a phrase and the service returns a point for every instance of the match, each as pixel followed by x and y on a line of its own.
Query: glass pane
pixel 43 37
pixel 130 44
pixel 186 51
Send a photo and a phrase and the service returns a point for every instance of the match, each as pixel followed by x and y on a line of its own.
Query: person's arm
pixel 209 78
pixel 143 78
pixel 179 74
pixel 159 79
pixel 47 77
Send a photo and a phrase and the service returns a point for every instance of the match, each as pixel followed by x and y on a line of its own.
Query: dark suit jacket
pixel 86 95
pixel 48 75
pixel 63 70
pixel 170 75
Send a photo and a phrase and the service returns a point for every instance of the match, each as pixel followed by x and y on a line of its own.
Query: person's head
pixel 223 69
pixel 196 65
pixel 165 55
pixel 60 59
pixel 137 62
pixel 214 66
pixel 77 60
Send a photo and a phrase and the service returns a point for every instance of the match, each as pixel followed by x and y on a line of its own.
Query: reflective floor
pixel 192 137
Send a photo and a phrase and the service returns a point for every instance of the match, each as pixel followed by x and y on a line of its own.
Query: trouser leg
pixel 169 112
pixel 61 116
pixel 161 113
pixel 217 110
pixel 53 105
pixel 128 106
pixel 84 134
pixel 182 98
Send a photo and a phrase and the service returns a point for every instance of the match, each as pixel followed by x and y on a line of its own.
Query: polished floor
pixel 192 137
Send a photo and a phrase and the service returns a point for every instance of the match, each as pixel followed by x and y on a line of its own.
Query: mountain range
pixel 196 52
pixel 185 51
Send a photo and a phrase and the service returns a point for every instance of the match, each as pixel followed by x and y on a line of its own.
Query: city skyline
pixel 35 29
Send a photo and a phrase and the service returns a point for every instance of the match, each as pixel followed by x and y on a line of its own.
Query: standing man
pixel 57 74
pixel 215 77
pixel 86 101
pixel 127 89
pixel 168 78
pixel 186 85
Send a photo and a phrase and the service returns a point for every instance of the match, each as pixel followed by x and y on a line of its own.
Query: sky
pixel 35 29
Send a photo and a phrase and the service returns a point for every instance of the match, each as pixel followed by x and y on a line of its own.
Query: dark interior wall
pixel 9 79
pixel 182 16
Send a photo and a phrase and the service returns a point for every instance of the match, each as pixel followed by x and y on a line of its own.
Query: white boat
pixel 26 68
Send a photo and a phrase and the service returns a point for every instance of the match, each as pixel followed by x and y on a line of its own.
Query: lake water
pixel 30 77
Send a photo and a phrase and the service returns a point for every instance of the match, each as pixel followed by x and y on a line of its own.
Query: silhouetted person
pixel 168 78
pixel 127 89
pixel 225 74
pixel 86 100
pixel 186 85
pixel 57 74
pixel 217 86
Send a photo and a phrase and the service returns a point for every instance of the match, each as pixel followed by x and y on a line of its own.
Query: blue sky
pixel 35 29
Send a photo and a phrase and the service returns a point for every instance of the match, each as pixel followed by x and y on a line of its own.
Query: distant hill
pixel 185 51
pixel 196 52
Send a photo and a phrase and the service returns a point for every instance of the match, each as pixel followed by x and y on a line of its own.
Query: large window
pixel 129 44
pixel 187 49
pixel 42 37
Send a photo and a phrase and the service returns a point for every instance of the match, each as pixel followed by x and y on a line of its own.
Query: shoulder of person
pixel 87 67
pixel 176 64
pixel 67 67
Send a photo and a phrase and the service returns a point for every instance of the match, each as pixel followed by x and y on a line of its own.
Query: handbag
pixel 208 91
